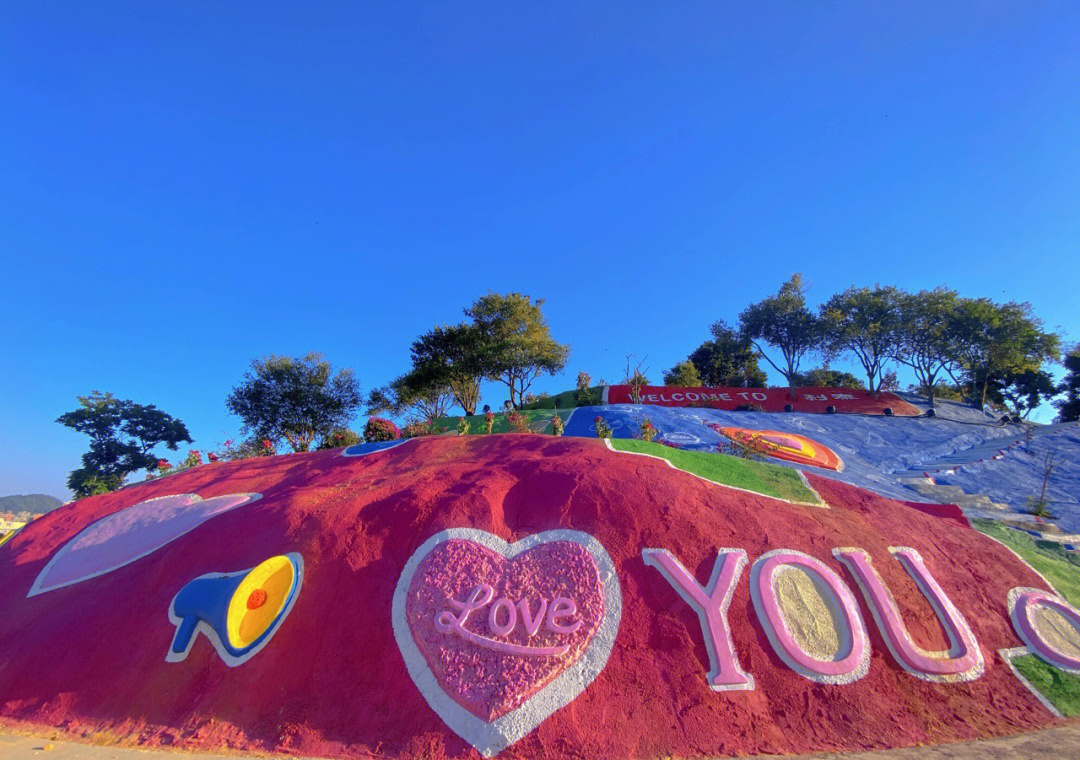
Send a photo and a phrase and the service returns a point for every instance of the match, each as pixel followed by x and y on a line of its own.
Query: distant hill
pixel 38 503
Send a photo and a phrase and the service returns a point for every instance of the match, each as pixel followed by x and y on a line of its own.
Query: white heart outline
pixel 490 738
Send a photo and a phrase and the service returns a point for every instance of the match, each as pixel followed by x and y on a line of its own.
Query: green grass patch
pixel 476 421
pixel 1061 689
pixel 759 477
pixel 564 400
pixel 1059 567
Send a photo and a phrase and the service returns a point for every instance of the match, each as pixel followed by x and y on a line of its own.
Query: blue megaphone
pixel 238 612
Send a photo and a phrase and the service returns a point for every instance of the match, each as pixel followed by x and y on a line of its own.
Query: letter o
pixel 854 654
pixel 493 617
pixel 1023 605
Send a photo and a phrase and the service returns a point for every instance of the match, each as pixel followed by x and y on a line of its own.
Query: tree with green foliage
pixel 684 375
pixel 298 399
pixel 992 340
pixel 784 322
pixel 728 360
pixel 516 341
pixel 123 435
pixel 451 356
pixel 1021 391
pixel 824 377
pixel 412 395
pixel 1069 407
pixel 864 323
pixel 925 340
pixel 340 438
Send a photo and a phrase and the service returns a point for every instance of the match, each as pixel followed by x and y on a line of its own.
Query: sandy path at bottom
pixel 1061 742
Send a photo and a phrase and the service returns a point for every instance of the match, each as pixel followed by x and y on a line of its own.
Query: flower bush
pixel 163 465
pixel 211 457
pixel 339 438
pixel 558 427
pixel 193 459
pixel 489 421
pixel 417 428
pixel 647 431
pixel 380 429
pixel 603 430
pixel 463 426
pixel 519 423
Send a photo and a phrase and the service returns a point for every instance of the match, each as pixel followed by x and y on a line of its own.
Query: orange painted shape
pixel 787 446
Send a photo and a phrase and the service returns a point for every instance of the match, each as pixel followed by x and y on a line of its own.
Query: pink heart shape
pixel 499 636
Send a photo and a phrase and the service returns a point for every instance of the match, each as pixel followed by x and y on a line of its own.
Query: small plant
pixel 584 394
pixel 1040 507
pixel 339 438
pixel 163 466
pixel 380 429
pixel 463 426
pixel 417 428
pixel 489 421
pixel 267 448
pixel 669 444
pixel 519 423
pixel 740 449
pixel 635 378
pixel 647 431
pixel 603 430
pixel 193 459
pixel 558 427
pixel 749 408
pixel 211 457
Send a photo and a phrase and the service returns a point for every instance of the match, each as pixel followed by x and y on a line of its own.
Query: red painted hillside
pixel 332 681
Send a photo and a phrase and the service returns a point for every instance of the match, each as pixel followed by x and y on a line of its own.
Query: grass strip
pixel 759 477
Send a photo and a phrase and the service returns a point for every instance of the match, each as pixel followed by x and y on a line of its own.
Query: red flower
pixel 163 465
pixel 212 456
pixel 266 444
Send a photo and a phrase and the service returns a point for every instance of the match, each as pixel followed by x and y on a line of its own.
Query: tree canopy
pixel 1069 407
pixel 298 399
pixel 784 322
pixel 452 357
pixel 123 435
pixel 684 374
pixel 516 341
pixel 864 323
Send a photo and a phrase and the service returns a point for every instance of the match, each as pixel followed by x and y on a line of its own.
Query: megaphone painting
pixel 238 612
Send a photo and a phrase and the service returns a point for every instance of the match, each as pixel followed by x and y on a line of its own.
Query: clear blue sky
pixel 187 186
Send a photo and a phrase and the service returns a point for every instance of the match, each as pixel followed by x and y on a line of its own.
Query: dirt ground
pixel 1063 742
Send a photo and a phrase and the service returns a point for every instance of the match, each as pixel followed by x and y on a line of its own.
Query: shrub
pixel 749 408
pixel 463 426
pixel 267 448
pixel 417 428
pixel 380 429
pixel 211 457
pixel 193 459
pixel 647 431
pixel 603 430
pixel 558 427
pixel 519 423
pixel 339 438
pixel 163 466
pixel 584 394
pixel 489 421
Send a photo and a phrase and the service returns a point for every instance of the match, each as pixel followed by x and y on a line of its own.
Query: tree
pixel 451 356
pixel 123 435
pixel 1069 407
pixel 298 399
pixel 925 339
pixel 865 323
pixel 1021 391
pixel 516 341
pixel 784 322
pixel 992 340
pixel 823 377
pixel 728 360
pixel 684 374
pixel 412 395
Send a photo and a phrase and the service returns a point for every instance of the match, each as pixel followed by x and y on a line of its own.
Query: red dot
pixel 256 599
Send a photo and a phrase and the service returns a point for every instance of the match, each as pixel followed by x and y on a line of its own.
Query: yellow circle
pixel 276 577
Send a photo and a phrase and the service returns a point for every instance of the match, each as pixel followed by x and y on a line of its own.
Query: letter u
pixel 963 661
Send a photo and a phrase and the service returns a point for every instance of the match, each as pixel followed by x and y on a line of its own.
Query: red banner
pixel 845 400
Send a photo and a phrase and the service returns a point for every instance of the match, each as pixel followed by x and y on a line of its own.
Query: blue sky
pixel 187 186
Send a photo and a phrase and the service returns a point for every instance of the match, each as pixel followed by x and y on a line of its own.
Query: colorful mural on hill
pixel 522 596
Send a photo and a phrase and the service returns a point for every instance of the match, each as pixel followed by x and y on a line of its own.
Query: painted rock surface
pixel 456 595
